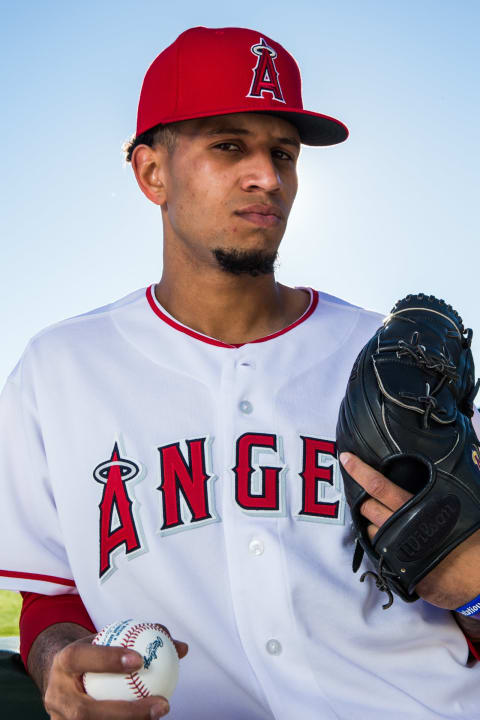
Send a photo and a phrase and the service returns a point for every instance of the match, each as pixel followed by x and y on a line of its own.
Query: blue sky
pixel 391 211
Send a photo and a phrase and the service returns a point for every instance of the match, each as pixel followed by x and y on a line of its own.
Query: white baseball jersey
pixel 164 475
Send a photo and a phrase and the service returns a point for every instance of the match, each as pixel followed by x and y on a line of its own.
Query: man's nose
pixel 261 174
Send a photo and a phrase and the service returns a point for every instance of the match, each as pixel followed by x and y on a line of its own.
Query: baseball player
pixel 171 456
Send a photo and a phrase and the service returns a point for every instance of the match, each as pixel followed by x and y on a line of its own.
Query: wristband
pixel 470 608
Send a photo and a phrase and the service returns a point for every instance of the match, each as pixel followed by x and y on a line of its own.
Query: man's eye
pixel 282 155
pixel 227 146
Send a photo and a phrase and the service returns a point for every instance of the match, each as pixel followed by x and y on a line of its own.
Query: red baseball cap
pixel 218 71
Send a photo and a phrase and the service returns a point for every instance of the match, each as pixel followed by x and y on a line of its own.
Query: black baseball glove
pixel 407 412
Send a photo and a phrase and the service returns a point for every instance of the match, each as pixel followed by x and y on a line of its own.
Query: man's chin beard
pixel 245 262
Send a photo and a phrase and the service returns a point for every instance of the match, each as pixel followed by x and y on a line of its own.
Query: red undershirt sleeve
pixel 40 611
pixel 474 647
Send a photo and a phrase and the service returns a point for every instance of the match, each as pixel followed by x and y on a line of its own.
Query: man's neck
pixel 232 309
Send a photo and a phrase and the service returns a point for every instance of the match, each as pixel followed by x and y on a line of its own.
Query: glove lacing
pixel 428 400
pixel 381 581
pixel 441 364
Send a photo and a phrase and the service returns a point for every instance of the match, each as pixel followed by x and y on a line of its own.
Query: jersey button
pixel 245 407
pixel 273 647
pixel 247 364
pixel 256 547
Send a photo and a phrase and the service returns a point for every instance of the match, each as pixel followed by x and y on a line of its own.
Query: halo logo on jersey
pixel 265 73
pixel 117 523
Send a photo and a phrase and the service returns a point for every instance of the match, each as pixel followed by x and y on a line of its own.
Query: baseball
pixel 159 674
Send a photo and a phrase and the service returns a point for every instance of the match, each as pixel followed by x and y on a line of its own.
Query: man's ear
pixel 148 165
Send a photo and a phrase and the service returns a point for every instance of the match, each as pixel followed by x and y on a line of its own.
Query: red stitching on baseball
pixel 137 686
pixel 136 630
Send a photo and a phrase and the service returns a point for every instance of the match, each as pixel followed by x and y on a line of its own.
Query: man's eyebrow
pixel 227 130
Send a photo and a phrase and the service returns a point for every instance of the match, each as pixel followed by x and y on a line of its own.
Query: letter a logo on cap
pixel 265 74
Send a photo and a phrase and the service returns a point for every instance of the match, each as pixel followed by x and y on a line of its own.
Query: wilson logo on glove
pixel 431 525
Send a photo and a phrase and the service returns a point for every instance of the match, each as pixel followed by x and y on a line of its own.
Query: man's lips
pixel 263 215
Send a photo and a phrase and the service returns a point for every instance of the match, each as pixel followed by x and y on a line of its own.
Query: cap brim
pixel 315 129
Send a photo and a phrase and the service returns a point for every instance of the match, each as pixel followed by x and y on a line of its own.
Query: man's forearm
pixel 470 625
pixel 45 647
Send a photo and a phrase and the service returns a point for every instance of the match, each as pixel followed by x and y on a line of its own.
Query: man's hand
pixel 60 678
pixel 456 579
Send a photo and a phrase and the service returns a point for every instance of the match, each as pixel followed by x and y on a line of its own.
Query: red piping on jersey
pixel 150 293
pixel 36 576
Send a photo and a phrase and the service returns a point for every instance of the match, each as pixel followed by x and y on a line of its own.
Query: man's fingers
pixel 149 708
pixel 374 483
pixel 65 690
pixel 182 648
pixel 81 656
pixel 375 511
pixel 87 708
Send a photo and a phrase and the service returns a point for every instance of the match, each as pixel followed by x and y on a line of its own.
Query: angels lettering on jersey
pixel 184 494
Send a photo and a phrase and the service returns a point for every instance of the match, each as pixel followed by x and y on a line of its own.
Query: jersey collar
pixel 163 315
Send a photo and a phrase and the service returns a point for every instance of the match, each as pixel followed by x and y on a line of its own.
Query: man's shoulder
pixel 340 310
pixel 90 321
pixel 86 329
pixel 327 299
